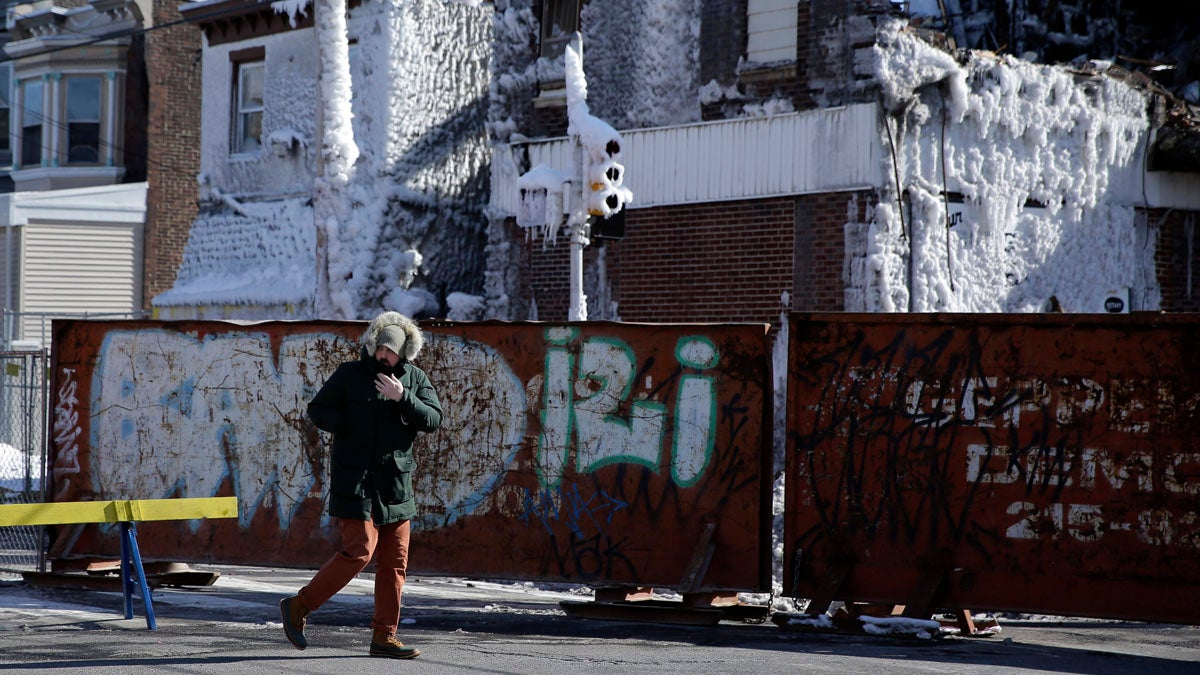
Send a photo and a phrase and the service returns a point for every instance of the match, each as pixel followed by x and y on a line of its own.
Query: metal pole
pixel 578 299
pixel 577 223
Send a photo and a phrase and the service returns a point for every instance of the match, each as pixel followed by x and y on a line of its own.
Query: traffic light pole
pixel 577 224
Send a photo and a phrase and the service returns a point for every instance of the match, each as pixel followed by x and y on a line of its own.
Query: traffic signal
pixel 604 179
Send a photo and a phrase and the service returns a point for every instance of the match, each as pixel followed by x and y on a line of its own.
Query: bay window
pixel 83 120
pixel 32 118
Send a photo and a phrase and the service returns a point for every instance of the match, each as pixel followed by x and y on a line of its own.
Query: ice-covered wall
pixel 413 232
pixel 1030 148
pixel 422 184
pixel 642 61
pixel 289 118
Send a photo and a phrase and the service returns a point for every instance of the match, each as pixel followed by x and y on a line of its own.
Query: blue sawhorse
pixel 131 567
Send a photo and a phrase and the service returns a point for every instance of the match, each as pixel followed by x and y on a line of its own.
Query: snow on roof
pixel 248 253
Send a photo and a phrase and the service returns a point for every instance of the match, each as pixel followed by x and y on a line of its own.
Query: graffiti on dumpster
pixel 561 437
pixel 66 435
pixel 609 423
pixel 985 449
pixel 1088 469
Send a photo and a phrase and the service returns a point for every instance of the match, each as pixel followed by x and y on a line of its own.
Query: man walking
pixel 374 407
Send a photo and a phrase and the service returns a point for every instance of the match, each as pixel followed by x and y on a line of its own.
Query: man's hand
pixel 389 387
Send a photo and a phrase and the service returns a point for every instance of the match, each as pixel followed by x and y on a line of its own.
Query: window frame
pixel 40 115
pixel 241 62
pixel 69 121
pixel 8 92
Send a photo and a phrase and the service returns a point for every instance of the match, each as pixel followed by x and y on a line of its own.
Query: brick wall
pixel 727 261
pixel 173 144
pixel 1172 259
pixel 133 150
pixel 821 248
pixel 722 40
pixel 838 35
pixel 724 261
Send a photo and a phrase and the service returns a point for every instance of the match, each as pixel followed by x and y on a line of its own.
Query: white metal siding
pixel 799 153
pixel 1169 189
pixel 74 268
pixel 771 31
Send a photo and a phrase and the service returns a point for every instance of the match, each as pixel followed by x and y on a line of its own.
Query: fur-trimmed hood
pixel 413 339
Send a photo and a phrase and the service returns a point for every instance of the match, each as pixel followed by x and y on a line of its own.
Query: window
pixel 560 22
pixel 5 114
pixel 83 120
pixel 31 122
pixel 248 107
pixel 771 30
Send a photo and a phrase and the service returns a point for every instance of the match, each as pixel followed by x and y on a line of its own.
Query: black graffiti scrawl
pixel 1045 454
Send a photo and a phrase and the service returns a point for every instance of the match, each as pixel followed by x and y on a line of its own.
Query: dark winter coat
pixel 372 459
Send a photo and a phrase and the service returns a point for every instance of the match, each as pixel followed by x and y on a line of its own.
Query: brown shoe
pixel 385 644
pixel 294 615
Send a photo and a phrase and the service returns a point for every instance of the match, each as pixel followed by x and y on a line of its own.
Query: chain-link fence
pixel 23 428
pixel 31 330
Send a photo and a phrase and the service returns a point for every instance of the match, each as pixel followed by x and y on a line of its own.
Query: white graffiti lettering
pixel 66 435
pixel 1087 523
pixel 1094 468
pixel 594 404
pixel 605 432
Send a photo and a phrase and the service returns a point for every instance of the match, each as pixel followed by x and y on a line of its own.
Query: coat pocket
pixel 399 487
pixel 348 479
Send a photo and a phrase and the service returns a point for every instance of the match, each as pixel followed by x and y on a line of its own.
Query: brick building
pixel 740 233
pixel 173 140
pixel 772 165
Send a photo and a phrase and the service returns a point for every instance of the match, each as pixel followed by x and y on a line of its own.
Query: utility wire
pixel 65 126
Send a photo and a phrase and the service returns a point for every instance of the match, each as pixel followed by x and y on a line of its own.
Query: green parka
pixel 371 463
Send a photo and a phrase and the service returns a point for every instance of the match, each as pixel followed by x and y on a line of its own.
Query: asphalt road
pixel 475 626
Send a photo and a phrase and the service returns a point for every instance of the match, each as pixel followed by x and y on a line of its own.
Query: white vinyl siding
pixel 73 268
pixel 771 31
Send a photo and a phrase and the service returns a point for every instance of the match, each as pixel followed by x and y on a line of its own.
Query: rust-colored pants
pixel 360 539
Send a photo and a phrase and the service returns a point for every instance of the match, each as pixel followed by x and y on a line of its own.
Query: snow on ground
pixel 13 467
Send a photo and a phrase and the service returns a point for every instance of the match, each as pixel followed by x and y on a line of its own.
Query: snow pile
pixel 818 621
pixel 465 307
pixel 1030 149
pixel 899 625
pixel 14 465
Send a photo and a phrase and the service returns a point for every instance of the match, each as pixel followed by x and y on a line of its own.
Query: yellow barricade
pixel 126 512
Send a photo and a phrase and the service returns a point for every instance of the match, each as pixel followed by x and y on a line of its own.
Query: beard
pixel 381 366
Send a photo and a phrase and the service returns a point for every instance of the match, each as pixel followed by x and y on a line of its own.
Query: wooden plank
pixel 701 557
pixel 609 594
pixel 102 582
pixel 649 612
pixel 115 511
